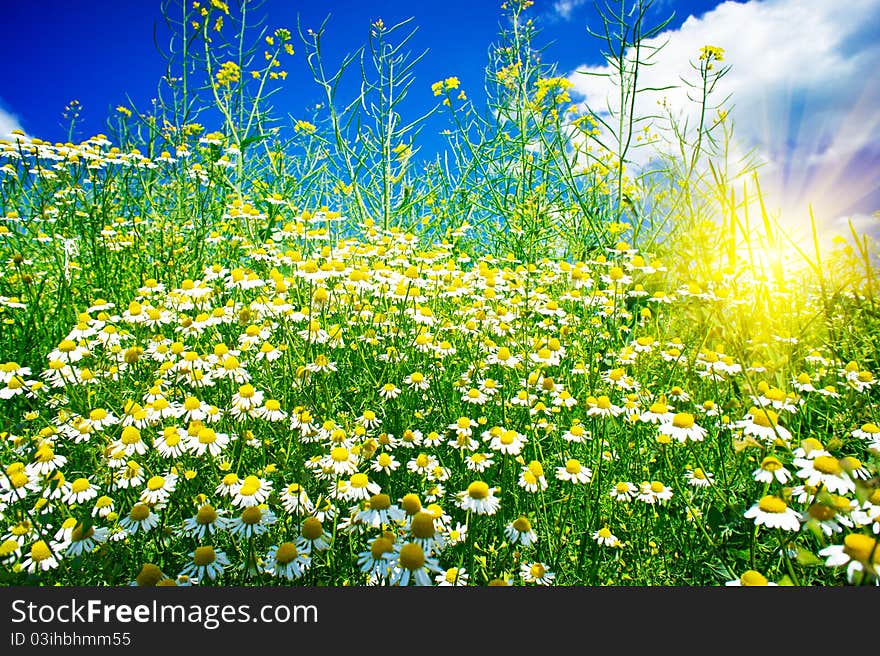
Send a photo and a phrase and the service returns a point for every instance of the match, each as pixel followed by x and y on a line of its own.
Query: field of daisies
pixel 234 357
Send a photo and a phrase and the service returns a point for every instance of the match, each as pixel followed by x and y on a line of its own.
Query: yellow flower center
pixel 771 464
pixel 312 528
pixel 8 547
pixel 139 513
pixel 251 515
pixel 775 394
pixel 827 465
pixel 155 483
pixel 20 479
pixel 422 525
pixel 478 490
pixel 412 556
pixel 80 485
pixel 149 575
pixel 821 512
pixel 764 417
pixel 66 346
pixel 811 444
pixel 862 548
pixel 380 502
pixel 286 553
pixel 204 556
pixel 250 487
pixel 537 570
pixel 77 534
pixel 40 551
pixel 359 481
pixel 206 515
pixel 850 463
pixel 44 454
pixel 771 504
pixel 381 546
pixel 522 524
pixel 207 436
pixel 683 420
pixel 411 504
pixel 191 403
pixel 752 578
pixel 22 528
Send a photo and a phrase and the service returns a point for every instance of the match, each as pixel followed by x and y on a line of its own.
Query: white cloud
pixel 563 8
pixel 8 123
pixel 804 89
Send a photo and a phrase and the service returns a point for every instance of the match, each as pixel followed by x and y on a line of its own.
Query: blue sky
pixel 803 81
pixel 100 50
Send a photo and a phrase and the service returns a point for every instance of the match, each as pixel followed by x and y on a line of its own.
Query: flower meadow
pixel 234 357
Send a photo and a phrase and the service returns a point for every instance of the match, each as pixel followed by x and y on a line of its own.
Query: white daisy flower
pixel 207 521
pixel 683 428
pixel 252 522
pixel 78 491
pixel 205 562
pixel 159 489
pixel 771 469
pixel 41 557
pixel 479 498
pixel 861 555
pixel 140 518
pixel 574 472
pixel 454 576
pixel 520 531
pixel 773 512
pixel 624 491
pixel 536 572
pixel 604 537
pixel 252 492
pixel 413 565
pixel 750 578
pixel 285 561
pixel 825 470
